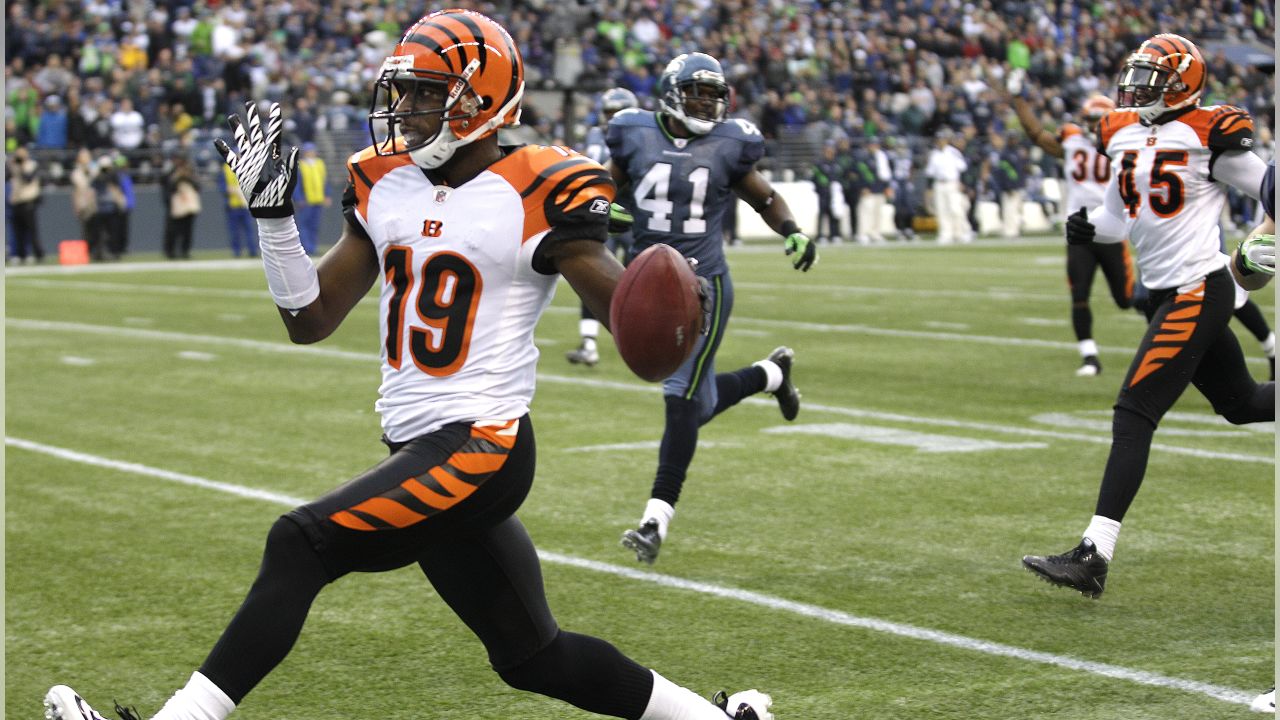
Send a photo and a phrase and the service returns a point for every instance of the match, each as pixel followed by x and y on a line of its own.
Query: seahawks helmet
pixel 692 89
pixel 616 99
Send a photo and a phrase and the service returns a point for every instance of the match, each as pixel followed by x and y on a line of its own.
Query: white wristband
pixel 291 276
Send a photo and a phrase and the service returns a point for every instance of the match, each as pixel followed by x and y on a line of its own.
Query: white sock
pixel 1088 348
pixel 661 511
pixel 199 700
pixel 1103 532
pixel 589 330
pixel 1269 345
pixel 772 374
pixel 669 701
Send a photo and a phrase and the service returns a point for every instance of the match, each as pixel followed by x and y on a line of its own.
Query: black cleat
pixel 787 394
pixel 1089 367
pixel 745 705
pixel 644 540
pixel 583 356
pixel 1081 568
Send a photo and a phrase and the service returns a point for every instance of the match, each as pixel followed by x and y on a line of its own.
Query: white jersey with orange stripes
pixel 1164 190
pixel 464 280
pixel 1085 170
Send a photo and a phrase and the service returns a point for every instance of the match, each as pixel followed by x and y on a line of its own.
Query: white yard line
pixel 816 612
pixel 809 407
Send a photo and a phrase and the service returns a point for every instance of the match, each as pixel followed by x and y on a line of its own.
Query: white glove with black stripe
pixel 265 175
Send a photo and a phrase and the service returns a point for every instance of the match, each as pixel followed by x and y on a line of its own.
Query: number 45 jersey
pixel 681 188
pixel 465 276
pixel 1168 196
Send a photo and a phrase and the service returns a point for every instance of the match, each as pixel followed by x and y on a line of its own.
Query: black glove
pixel 265 175
pixel 798 242
pixel 619 219
pixel 1079 230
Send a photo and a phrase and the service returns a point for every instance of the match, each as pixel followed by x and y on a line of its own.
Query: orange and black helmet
pixel 470 62
pixel 1165 73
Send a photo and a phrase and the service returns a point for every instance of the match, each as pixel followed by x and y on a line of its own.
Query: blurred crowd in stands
pixel 145 80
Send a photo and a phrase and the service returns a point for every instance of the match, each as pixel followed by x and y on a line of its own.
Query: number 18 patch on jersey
pixel 465 276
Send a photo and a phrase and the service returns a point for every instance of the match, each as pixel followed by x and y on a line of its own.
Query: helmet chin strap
pixel 437 152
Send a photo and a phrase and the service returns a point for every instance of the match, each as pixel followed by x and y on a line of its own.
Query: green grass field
pixel 860 562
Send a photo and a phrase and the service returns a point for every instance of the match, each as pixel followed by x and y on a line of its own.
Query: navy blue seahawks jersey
pixel 594 147
pixel 1268 190
pixel 679 188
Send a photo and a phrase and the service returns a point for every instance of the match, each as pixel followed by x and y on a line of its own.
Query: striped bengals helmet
pixel 1165 73
pixel 468 64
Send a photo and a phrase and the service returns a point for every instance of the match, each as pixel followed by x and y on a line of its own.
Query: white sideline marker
pixel 835 617
pixel 581 381
pixel 922 442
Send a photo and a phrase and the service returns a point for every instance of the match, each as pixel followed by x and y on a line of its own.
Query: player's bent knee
pixel 681 412
pixel 1260 407
pixel 288 545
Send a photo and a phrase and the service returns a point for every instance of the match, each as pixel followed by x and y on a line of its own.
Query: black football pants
pixel 444 501
pixel 1187 342
pixel 1083 262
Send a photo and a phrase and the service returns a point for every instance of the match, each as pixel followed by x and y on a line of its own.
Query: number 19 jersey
pixel 681 188
pixel 1168 196
pixel 465 277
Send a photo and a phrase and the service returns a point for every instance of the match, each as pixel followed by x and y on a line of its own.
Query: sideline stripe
pixel 763 322
pixel 835 617
pixel 313 350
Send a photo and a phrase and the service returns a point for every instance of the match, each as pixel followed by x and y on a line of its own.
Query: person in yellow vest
pixel 310 196
pixel 241 230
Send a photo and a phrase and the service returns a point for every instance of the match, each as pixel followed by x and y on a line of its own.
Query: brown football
pixel 656 314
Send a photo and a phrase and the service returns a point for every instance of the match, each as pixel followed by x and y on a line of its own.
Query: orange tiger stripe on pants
pixel 439 488
pixel 1176 333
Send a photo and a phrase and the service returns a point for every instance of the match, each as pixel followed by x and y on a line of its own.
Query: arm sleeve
pixel 349 202
pixel 1108 218
pixel 752 151
pixel 584 215
pixel 1242 170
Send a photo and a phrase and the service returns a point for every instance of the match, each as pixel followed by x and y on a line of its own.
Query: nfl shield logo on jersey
pixel 442 194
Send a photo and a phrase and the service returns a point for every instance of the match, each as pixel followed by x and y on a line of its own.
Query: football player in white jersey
pixel 1085 174
pixel 466 237
pixel 1170 160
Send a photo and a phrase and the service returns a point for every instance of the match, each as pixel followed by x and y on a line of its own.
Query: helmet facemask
pixel 700 104
pixel 1143 85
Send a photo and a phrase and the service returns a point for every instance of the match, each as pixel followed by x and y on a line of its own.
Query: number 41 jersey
pixel 681 188
pixel 1168 196
pixel 465 277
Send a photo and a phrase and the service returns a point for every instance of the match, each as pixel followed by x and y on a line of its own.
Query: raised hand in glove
pixel 1258 255
pixel 1079 230
pixel 265 175
pixel 805 250
pixel 620 219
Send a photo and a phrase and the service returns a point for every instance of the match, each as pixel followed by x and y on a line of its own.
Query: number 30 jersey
pixel 1167 193
pixel 681 188
pixel 465 276
pixel 1085 170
